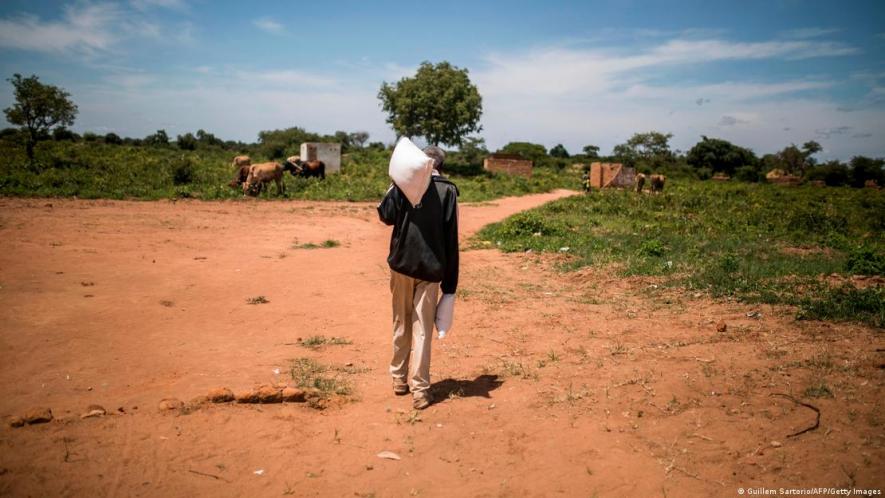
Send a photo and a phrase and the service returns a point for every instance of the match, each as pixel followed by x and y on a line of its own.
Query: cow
pixel 240 161
pixel 261 174
pixel 240 177
pixel 640 182
pixel 657 183
pixel 306 169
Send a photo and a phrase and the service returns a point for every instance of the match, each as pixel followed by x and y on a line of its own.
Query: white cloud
pixel 602 96
pixel 269 25
pixel 84 28
pixel 88 29
pixel 288 78
pixel 803 33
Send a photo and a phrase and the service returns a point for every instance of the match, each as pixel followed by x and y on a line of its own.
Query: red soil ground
pixel 581 384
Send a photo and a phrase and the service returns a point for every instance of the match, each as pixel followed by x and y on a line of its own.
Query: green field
pixel 97 170
pixel 754 242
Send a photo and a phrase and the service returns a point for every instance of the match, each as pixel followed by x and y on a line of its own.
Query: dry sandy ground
pixel 552 384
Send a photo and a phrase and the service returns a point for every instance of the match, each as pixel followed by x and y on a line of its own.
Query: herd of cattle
pixel 252 178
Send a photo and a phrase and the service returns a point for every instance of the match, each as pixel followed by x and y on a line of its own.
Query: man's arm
pixel 450 225
pixel 389 206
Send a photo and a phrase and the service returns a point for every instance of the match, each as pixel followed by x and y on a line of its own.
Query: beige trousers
pixel 414 309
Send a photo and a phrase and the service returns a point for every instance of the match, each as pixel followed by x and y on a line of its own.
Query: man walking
pixel 423 258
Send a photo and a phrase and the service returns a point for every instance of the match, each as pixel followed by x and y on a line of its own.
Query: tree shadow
pixel 451 388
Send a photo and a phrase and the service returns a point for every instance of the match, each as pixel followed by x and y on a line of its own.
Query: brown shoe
pixel 400 389
pixel 421 402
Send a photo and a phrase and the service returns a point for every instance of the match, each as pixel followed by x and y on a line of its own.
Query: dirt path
pixel 579 385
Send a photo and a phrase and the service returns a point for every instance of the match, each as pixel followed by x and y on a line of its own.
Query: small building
pixel 512 164
pixel 329 153
pixel 779 177
pixel 611 175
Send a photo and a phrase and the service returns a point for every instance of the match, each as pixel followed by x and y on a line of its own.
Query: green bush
pixel 183 171
pixel 724 238
pixel 846 303
pixel 530 223
pixel 747 174
pixel 865 261
pixel 652 247
pixel 704 173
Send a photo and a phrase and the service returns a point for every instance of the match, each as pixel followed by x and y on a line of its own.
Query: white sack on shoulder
pixel 410 169
pixel 445 314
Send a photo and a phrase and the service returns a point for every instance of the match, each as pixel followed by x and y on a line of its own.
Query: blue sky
pixel 761 74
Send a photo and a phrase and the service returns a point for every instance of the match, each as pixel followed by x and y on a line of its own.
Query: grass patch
pixel 309 374
pixel 257 300
pixel 326 244
pixel 317 341
pixel 726 239
pixel 508 368
pixel 818 390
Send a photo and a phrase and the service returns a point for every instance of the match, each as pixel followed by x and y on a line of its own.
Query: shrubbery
pixel 754 242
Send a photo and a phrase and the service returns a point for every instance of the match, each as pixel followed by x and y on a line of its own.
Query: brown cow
pixel 240 161
pixel 261 174
pixel 657 183
pixel 297 167
pixel 640 182
pixel 240 177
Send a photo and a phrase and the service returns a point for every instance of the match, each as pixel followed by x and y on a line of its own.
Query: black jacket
pixel 424 243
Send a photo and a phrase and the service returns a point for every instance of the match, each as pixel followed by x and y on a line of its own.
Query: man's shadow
pixel 451 388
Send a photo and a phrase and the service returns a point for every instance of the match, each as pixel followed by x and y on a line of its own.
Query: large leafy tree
pixel 559 151
pixel 720 155
pixel 439 103
pixel 650 149
pixel 528 150
pixel 38 108
pixel 591 151
pixel 797 161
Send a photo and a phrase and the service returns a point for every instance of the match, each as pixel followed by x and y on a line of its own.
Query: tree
pixel 113 139
pixel 158 138
pixel 277 143
pixel 358 139
pixel 473 150
pixel 439 103
pixel 833 173
pixel 559 151
pixel 61 133
pixel 207 139
pixel 650 149
pixel 343 138
pixel 811 148
pixel 720 156
pixel 865 168
pixel 591 151
pixel 186 142
pixel 797 161
pixel 534 152
pixel 38 108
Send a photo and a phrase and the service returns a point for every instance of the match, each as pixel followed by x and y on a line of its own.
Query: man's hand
pixel 445 314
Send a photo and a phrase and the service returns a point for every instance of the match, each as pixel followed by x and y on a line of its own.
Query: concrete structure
pixel 326 152
pixel 605 175
pixel 512 164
